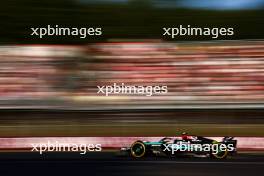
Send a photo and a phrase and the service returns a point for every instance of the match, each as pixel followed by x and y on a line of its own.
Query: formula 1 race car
pixel 192 146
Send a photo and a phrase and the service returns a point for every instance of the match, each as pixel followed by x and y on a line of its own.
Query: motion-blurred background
pixel 128 19
pixel 48 86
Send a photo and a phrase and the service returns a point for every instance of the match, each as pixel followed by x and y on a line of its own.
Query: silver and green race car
pixel 191 146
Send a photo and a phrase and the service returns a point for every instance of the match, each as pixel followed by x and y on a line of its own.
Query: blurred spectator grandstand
pixel 196 73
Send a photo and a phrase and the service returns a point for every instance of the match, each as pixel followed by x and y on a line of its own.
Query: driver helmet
pixel 184 136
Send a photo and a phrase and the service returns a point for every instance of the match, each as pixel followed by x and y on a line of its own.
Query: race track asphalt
pixel 108 164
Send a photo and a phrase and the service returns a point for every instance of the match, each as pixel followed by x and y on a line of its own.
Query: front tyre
pixel 138 149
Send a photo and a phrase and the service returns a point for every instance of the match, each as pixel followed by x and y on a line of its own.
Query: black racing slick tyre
pixel 221 154
pixel 138 149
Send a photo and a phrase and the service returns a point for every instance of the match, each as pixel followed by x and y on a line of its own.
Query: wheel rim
pixel 138 149
pixel 220 154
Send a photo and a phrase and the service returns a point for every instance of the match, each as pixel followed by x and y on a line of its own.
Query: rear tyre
pixel 221 154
